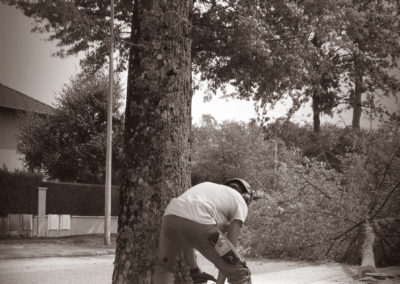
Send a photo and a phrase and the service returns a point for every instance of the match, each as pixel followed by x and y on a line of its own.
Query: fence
pixel 62 209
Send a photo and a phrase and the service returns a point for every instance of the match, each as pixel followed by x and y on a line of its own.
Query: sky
pixel 27 65
pixel 25 58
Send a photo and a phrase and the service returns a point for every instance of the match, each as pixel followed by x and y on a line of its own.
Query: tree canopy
pixel 304 50
pixel 333 53
pixel 70 144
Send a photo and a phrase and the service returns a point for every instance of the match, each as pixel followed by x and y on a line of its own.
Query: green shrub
pixel 314 204
pixel 318 213
pixel 79 199
pixel 18 192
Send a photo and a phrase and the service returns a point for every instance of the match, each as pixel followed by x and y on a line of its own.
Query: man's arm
pixel 233 233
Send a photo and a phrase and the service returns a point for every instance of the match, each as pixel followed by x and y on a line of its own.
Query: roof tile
pixel 12 99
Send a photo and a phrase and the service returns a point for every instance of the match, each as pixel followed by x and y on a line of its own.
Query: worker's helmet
pixel 242 186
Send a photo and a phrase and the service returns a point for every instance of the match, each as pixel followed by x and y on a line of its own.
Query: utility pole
pixel 107 199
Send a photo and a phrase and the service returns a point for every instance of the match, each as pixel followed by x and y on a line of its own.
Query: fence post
pixel 42 226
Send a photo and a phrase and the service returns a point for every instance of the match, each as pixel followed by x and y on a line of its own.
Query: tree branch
pixel 349 230
pixel 382 238
pixel 317 188
pixel 338 237
pixel 331 214
pixel 386 199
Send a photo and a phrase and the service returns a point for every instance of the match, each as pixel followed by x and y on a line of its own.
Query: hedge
pixel 19 195
pixel 79 199
pixel 18 192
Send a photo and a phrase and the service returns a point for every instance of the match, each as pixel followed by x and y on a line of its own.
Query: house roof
pixel 12 99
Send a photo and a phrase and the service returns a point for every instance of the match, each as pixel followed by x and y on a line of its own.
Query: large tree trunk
pixel 355 99
pixel 316 113
pixel 367 252
pixel 356 103
pixel 157 132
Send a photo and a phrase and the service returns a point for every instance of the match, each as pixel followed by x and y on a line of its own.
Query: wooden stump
pixel 367 251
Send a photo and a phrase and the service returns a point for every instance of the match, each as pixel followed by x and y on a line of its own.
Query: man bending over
pixel 199 219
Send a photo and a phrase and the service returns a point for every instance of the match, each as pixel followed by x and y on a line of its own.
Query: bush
pixel 326 186
pixel 79 199
pixel 318 213
pixel 70 144
pixel 232 149
pixel 19 195
pixel 18 192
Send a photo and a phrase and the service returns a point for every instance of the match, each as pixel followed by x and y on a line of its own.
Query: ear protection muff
pixel 242 187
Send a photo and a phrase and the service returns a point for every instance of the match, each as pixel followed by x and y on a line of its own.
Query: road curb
pixel 77 253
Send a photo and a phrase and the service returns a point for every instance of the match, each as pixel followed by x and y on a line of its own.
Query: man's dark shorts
pixel 178 234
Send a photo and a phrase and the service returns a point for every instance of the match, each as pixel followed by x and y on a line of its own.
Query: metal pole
pixel 107 206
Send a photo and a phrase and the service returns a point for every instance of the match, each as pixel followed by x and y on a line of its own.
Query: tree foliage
pixel 82 27
pixel 329 52
pixel 230 149
pixel 252 45
pixel 311 210
pixel 372 29
pixel 70 144
pixel 332 53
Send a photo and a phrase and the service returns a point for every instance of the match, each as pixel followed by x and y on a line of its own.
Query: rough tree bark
pixel 356 103
pixel 157 132
pixel 316 113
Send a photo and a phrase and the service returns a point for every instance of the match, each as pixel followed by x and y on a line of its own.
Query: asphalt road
pixel 57 270
pixel 98 270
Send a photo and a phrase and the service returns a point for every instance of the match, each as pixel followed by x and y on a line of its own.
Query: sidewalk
pixel 55 247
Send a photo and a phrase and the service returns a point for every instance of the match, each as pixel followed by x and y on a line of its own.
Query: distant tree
pixel 231 149
pixel 373 27
pixel 324 67
pixel 328 145
pixel 70 144
pixel 291 134
pixel 302 50
pixel 255 46
pixel 356 50
pixel 350 58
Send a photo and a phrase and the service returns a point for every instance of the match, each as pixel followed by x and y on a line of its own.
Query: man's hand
pixel 199 276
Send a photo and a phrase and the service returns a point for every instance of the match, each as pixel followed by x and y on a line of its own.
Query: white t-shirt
pixel 209 203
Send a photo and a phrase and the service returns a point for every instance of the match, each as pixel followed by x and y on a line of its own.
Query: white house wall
pixel 9 130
